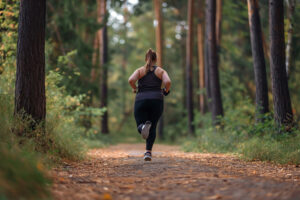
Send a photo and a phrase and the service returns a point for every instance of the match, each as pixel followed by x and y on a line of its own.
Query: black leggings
pixel 148 110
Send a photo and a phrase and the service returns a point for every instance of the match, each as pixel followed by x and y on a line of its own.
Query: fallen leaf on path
pixel 106 196
pixel 214 197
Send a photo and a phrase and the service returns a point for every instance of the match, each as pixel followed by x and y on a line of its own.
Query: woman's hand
pixel 165 92
pixel 134 90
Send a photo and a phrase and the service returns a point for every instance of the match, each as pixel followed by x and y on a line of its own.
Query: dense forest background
pixel 87 72
pixel 131 31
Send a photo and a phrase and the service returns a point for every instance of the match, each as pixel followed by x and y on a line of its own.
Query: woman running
pixel 149 104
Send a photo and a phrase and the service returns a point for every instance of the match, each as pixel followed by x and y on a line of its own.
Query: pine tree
pixel 30 76
pixel 216 100
pixel 281 96
pixel 260 74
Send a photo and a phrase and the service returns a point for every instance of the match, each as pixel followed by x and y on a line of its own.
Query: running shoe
pixel 147 156
pixel 145 129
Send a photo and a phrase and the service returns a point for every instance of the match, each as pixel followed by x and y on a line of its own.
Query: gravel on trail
pixel 119 172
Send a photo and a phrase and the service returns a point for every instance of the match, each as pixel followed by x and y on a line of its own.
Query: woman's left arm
pixel 133 78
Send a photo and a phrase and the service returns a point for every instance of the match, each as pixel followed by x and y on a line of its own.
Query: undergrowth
pixel 240 134
pixel 27 154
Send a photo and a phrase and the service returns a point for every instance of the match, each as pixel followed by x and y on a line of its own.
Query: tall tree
pixel 124 59
pixel 219 22
pixel 189 66
pixel 200 25
pixel 281 96
pixel 183 64
pixel 290 14
pixel 30 76
pixel 206 72
pixel 216 100
pixel 260 74
pixel 95 56
pixel 103 64
pixel 159 48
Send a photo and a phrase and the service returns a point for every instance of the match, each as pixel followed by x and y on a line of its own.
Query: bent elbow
pixel 168 82
pixel 130 81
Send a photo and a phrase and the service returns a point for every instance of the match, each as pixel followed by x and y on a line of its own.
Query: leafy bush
pixel 23 156
pixel 283 150
pixel 253 141
pixel 61 127
pixel 21 175
pixel 239 133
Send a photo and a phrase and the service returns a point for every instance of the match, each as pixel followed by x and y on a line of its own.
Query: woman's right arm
pixel 133 78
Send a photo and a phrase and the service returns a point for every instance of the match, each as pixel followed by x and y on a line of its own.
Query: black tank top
pixel 149 86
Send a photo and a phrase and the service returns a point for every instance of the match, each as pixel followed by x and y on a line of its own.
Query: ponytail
pixel 150 58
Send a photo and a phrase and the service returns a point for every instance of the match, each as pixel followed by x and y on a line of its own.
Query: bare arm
pixel 166 80
pixel 133 78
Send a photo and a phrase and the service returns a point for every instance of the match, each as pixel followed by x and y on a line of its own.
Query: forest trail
pixel 119 172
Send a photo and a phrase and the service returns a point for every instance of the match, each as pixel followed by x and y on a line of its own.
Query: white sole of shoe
pixel 147 158
pixel 146 129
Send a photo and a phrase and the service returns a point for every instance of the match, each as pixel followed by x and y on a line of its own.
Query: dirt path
pixel 118 172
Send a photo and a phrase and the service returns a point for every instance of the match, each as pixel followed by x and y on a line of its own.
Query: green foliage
pixel 239 133
pixel 61 125
pixel 283 150
pixel 73 113
pixel 25 152
pixel 22 172
pixel 21 175
pixel 8 43
pixel 253 141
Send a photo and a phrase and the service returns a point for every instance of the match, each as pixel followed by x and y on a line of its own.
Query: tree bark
pixel 158 32
pixel 124 62
pixel 265 46
pixel 219 22
pixel 206 72
pixel 30 76
pixel 189 67
pixel 183 66
pixel 290 15
pixel 201 56
pixel 159 49
pixel 103 64
pixel 216 103
pixel 281 97
pixel 94 57
pixel 260 74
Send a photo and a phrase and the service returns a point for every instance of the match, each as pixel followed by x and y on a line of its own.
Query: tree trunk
pixel 103 64
pixel 158 32
pixel 265 46
pixel 124 62
pixel 201 56
pixel 159 49
pixel 290 14
pixel 183 67
pixel 216 103
pixel 94 57
pixel 260 74
pixel 281 97
pixel 30 76
pixel 219 22
pixel 189 67
pixel 206 72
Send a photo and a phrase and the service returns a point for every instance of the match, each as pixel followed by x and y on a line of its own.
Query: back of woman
pixel 149 86
pixel 148 105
